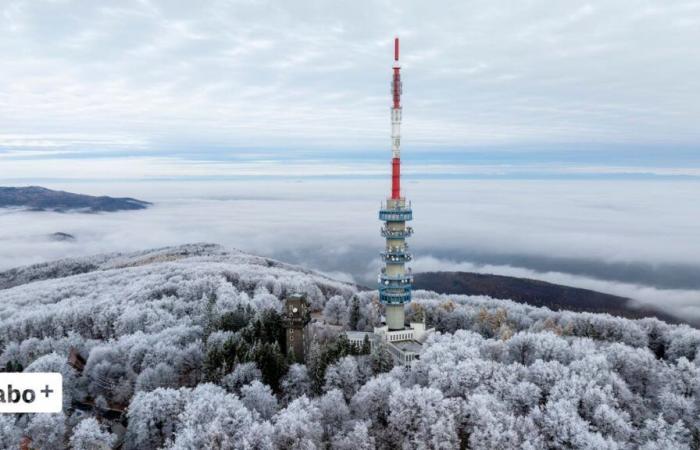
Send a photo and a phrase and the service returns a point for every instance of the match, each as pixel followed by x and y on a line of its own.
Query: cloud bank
pixel 629 238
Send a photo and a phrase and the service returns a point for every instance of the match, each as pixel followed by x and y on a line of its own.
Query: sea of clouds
pixel 630 238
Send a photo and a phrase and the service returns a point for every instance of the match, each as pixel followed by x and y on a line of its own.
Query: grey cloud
pixel 316 73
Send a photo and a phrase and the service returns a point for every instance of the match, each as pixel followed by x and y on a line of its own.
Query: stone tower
pixel 296 317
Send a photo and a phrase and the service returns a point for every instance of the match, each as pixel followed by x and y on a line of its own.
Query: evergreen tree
pixel 238 319
pixel 366 346
pixel 214 366
pixel 354 318
pixel 382 360
pixel 271 362
pixel 322 357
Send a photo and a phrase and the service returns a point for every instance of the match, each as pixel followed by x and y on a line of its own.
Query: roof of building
pixel 357 335
pixel 408 346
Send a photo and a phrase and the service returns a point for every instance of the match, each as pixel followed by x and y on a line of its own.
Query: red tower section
pixel 396 178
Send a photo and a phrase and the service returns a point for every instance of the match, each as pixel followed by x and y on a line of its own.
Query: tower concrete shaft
pixel 395 280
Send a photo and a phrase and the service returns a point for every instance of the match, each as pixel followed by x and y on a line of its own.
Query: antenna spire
pixel 396 89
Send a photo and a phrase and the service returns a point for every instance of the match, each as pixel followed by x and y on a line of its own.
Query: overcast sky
pixel 552 139
pixel 183 88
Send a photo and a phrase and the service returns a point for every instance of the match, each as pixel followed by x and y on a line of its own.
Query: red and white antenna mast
pixel 396 125
pixel 395 280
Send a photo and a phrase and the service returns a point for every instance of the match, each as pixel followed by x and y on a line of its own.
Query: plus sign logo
pixel 31 392
pixel 46 391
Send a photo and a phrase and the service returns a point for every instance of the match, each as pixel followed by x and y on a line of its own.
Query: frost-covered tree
pixel 422 417
pixel 297 427
pixel 490 424
pixel 107 375
pixel 214 417
pixel 526 348
pixel 243 374
pixel 336 310
pixel 258 397
pixel 684 342
pixel 370 312
pixel 47 431
pixel 260 436
pixel 372 400
pixel 334 412
pixel 90 435
pixel 678 408
pixel 154 417
pixel 545 375
pixel 685 380
pixel 162 375
pixel 296 383
pixel 73 387
pixel 658 434
pixel 343 375
pixel 358 437
pixel 10 433
pixel 521 396
pixel 611 421
pixel 636 366
pixel 562 427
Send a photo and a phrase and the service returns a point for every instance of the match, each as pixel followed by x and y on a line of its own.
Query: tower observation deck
pixel 395 280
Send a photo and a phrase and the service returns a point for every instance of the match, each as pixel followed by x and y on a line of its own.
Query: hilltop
pixel 36 198
pixel 538 293
pixel 183 343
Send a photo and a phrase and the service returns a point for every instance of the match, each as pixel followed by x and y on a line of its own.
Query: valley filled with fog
pixel 633 238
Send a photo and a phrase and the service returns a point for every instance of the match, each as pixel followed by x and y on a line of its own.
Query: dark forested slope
pixel 37 198
pixel 536 293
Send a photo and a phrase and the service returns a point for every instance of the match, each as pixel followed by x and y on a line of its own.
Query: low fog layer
pixel 629 238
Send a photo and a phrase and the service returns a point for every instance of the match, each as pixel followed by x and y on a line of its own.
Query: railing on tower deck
pixel 395 213
pixel 397 234
pixel 398 280
pixel 394 295
pixel 395 284
pixel 402 247
pixel 396 255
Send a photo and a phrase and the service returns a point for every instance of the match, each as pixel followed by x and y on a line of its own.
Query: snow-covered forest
pixel 185 345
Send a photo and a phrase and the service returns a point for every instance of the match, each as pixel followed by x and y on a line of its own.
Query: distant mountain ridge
pixel 537 293
pixel 36 198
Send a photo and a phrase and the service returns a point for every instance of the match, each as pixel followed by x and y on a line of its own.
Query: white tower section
pixel 396 132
